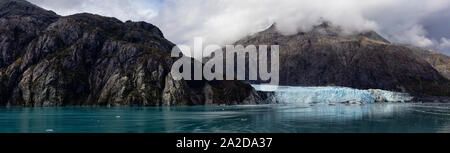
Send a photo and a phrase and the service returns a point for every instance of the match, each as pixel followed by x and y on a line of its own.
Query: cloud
pixel 416 22
pixel 445 43
pixel 225 21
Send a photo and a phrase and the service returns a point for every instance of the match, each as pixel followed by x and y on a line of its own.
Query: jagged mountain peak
pixel 326 29
pixel 272 28
pixel 10 8
pixel 374 36
pixel 12 3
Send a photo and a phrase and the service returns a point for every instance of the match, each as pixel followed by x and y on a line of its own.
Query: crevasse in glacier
pixel 287 94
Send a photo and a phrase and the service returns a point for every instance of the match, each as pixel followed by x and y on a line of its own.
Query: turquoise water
pixel 378 118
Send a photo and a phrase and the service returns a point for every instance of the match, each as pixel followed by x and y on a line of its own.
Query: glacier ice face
pixel 388 96
pixel 287 94
pixel 322 95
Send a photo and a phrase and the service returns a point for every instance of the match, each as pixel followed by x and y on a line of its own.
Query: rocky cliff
pixel 325 56
pixel 438 60
pixel 86 59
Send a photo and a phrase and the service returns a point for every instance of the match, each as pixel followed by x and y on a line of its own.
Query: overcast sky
pixel 423 23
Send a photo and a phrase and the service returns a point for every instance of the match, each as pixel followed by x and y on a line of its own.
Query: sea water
pixel 279 118
pixel 300 110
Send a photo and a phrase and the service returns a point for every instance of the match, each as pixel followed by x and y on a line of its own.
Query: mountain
pixel 438 60
pixel 20 23
pixel 325 56
pixel 86 59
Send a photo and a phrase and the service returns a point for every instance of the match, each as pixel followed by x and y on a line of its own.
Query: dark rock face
pixel 438 60
pixel 85 59
pixel 20 22
pixel 325 57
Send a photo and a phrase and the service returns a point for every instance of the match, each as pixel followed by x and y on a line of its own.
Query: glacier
pixel 306 95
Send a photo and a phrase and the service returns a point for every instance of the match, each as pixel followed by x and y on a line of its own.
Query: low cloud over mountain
pixel 416 22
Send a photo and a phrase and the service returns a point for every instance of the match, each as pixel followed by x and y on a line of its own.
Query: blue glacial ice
pixel 302 95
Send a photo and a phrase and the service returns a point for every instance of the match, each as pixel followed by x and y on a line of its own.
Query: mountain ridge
pixel 325 57
pixel 10 8
pixel 87 59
